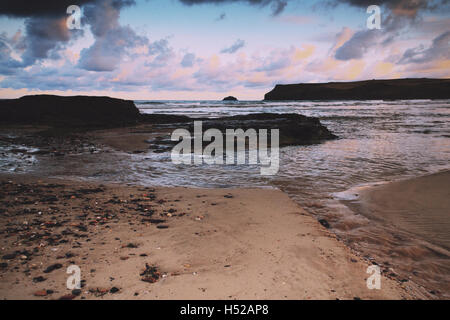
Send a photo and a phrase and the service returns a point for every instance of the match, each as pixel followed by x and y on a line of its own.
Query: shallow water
pixel 379 141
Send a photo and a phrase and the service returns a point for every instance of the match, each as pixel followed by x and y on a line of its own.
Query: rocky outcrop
pixel 230 98
pixel 294 129
pixel 364 90
pixel 76 111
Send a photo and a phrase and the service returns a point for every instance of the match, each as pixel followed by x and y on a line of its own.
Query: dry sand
pixel 219 244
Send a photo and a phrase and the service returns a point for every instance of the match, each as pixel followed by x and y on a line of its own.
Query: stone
pixel 230 98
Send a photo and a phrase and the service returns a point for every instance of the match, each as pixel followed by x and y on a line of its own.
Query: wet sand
pixel 416 212
pixel 197 244
pixel 421 205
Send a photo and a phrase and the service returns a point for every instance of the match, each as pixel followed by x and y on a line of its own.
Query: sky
pixel 209 49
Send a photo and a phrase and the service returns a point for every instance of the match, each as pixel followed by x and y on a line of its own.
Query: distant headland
pixel 422 88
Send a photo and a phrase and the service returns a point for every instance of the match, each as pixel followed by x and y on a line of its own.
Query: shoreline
pixel 410 224
pixel 218 244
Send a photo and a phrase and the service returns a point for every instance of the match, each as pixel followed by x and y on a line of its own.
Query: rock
pixel 364 90
pixel 75 111
pixel 68 297
pixel 99 292
pixel 76 292
pixel 294 129
pixel 39 279
pixel 151 274
pixel 53 267
pixel 324 223
pixel 41 293
pixel 114 290
pixel 230 98
pixel 9 256
pixel 154 221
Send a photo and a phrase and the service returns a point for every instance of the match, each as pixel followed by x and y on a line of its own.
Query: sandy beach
pixel 250 150
pixel 203 244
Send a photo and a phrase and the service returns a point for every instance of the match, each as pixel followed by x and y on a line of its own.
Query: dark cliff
pixel 364 90
pixel 78 111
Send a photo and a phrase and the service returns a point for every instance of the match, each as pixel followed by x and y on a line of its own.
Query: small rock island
pixel 230 98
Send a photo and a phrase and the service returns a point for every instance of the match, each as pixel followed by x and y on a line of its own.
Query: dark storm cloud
pixel 47 32
pixel 40 8
pixel 44 37
pixel 408 8
pixel 399 7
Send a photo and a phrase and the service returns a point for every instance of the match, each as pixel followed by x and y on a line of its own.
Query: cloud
pixel 162 53
pixel 439 49
pixel 11 48
pixel 44 37
pixel 277 6
pixel 188 60
pixel 408 8
pixel 221 17
pixel 112 41
pixel 46 32
pixel 238 44
pixel 400 16
pixel 358 45
pixel 108 51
